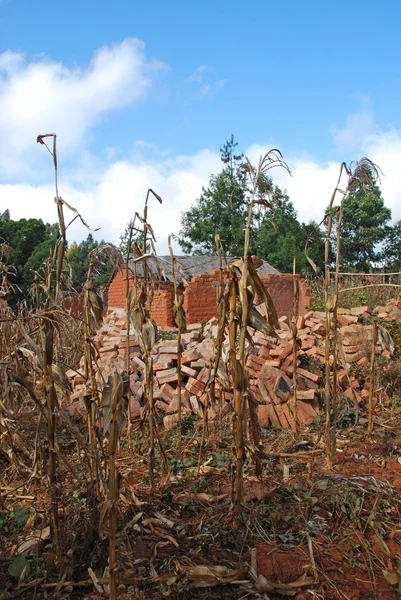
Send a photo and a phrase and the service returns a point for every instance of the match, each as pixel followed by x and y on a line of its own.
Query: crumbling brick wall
pixel 200 296
pixel 162 305
pixel 281 289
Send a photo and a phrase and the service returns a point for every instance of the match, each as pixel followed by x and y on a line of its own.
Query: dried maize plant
pixel 294 333
pixel 115 398
pixel 48 316
pixel 243 314
pixel 358 175
pixel 180 321
pixel 141 295
pixel 92 318
pixel 218 370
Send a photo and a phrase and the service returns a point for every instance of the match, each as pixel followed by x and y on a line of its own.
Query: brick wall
pixel 281 288
pixel 162 306
pixel 200 297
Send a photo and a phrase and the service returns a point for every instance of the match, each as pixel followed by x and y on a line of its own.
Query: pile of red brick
pixel 269 364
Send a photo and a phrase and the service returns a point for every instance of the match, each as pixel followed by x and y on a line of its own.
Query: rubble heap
pixel 269 364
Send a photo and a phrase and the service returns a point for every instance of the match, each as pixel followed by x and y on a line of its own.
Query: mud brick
pixel 160 405
pixel 188 371
pixel 307 342
pixel 309 323
pixel 300 322
pixel 308 315
pixel 351 349
pixel 306 394
pixel 263 416
pixel 307 384
pixel 163 363
pixel 194 326
pixel 169 421
pixel 253 366
pixel 264 352
pixel 275 352
pixel 319 329
pixel 167 392
pixel 288 365
pixel 256 393
pixel 199 364
pixel 275 364
pixel 360 310
pixel 303 332
pixel 194 386
pixel 138 362
pixel 342 377
pixel 287 410
pixel 364 394
pixel 185 396
pixel 281 416
pixel 168 349
pixel 305 412
pixel 172 357
pixel 173 378
pixel 108 348
pixel 352 394
pixel 308 375
pixel 283 387
pixel 165 373
pixel 266 398
pixel 203 375
pixel 195 405
pixel 190 356
pixel 312 351
pixel 258 359
pixel 189 337
pixel 362 362
pixel 355 384
pixel 269 385
pixel 134 408
pixel 275 421
pixel 286 351
pixel 351 358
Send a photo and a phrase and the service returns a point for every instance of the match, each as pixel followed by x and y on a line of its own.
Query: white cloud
pixel 312 183
pixel 356 128
pixel 117 193
pixel 205 80
pixel 43 96
pixel 108 194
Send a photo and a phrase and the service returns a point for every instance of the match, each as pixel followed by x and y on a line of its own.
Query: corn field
pixel 203 494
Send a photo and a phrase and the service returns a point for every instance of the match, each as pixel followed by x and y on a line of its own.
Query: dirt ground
pixel 325 533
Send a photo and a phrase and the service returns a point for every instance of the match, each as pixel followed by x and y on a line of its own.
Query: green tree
pixel 278 236
pixel 124 239
pixel 31 241
pixel 221 209
pixel 78 257
pixel 363 229
pixel 392 248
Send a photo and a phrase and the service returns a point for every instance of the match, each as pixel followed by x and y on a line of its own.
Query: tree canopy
pixel 276 235
pixel 364 229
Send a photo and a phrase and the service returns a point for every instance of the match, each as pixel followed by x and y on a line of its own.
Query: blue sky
pixel 145 93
